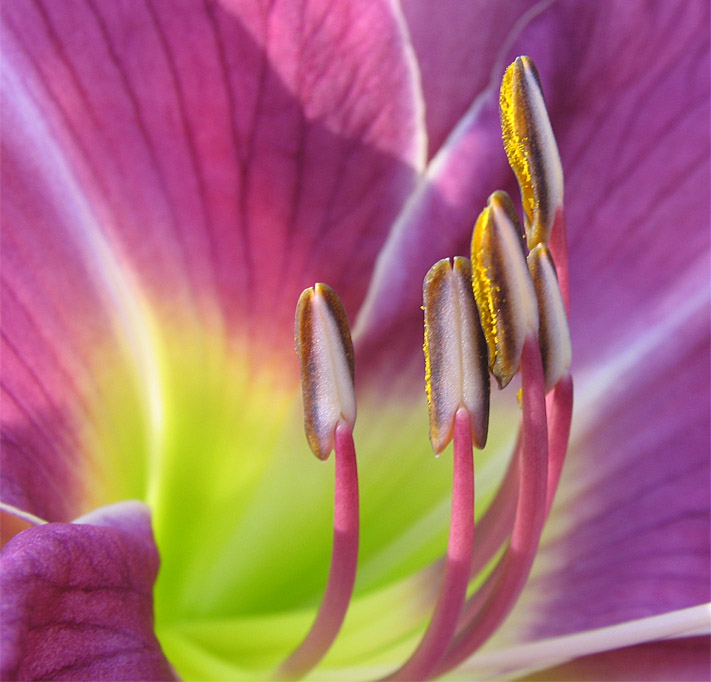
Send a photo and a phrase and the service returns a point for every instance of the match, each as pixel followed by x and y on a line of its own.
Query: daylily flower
pixel 176 173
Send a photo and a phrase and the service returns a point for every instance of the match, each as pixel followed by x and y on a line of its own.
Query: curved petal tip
pixel 78 599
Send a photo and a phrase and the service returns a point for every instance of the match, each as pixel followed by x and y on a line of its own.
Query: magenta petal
pixel 630 530
pixel 78 600
pixel 207 161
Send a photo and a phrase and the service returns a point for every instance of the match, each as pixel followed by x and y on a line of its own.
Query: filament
pixel 344 560
pixel 458 563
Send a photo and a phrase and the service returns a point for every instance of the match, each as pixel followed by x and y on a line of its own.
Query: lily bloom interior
pixel 178 177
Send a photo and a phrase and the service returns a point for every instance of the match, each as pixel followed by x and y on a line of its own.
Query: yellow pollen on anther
pixel 531 148
pixel 514 130
pixel 485 290
pixel 502 286
pixel 456 358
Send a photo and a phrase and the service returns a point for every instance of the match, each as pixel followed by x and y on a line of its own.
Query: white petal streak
pixel 595 382
pixel 528 658
pixel 21 514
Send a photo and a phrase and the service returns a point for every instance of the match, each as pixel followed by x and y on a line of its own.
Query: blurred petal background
pixel 174 174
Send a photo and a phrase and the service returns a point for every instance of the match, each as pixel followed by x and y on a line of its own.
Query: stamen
pixel 553 334
pixel 323 342
pixel 531 148
pixel 458 388
pixel 533 155
pixel 456 372
pixel 324 346
pixel 491 604
pixel 502 286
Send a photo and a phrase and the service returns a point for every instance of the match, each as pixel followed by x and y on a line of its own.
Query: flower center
pixel 502 312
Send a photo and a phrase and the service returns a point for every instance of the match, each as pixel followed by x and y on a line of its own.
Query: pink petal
pixel 77 600
pixel 232 151
pixel 206 161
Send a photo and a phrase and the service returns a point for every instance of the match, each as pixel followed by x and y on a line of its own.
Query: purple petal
pixel 628 86
pixel 632 118
pixel 457 44
pixel 78 600
pixel 677 660
pixel 631 532
pixel 632 126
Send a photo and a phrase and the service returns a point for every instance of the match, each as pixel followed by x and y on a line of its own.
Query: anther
pixel 456 358
pixel 531 148
pixel 323 343
pixel 553 333
pixel 502 286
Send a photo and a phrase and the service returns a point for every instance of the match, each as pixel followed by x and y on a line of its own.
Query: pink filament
pixel 344 560
pixel 558 246
pixel 559 405
pixel 506 582
pixel 495 526
pixel 457 568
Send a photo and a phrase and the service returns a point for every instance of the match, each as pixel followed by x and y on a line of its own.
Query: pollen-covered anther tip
pixel 531 148
pixel 456 362
pixel 325 349
pixel 553 332
pixel 502 286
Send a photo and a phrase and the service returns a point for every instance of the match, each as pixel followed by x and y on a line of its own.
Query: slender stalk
pixel 495 525
pixel 558 246
pixel 344 560
pixel 560 401
pixel 457 570
pixel 507 581
pixel 559 405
